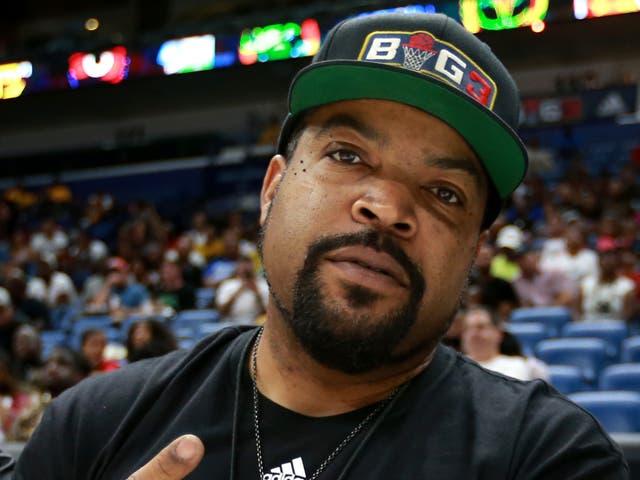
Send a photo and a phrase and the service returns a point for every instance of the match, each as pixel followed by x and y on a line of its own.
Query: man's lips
pixel 373 260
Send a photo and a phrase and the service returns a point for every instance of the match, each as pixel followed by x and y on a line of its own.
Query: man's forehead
pixel 357 114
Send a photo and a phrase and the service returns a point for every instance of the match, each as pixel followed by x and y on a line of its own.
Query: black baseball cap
pixel 430 62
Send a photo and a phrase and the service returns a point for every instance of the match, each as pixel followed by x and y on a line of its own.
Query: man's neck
pixel 288 376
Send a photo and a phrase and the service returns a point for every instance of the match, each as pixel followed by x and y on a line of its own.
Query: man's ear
pixel 272 178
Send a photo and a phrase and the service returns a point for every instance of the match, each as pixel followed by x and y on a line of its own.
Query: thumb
pixel 174 462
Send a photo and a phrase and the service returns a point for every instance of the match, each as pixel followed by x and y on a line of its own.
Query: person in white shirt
pixel 243 297
pixel 608 295
pixel 49 240
pixel 52 287
pixel 571 257
pixel 482 339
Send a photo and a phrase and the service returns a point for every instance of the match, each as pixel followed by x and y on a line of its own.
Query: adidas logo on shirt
pixel 293 470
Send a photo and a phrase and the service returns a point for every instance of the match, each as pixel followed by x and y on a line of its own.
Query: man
pixel 390 169
pixel 537 288
pixel 243 297
pixel 121 294
pixel 609 295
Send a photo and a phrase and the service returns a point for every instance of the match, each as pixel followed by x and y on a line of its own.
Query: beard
pixel 350 341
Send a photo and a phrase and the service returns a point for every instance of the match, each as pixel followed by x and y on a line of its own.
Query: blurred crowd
pixel 573 242
pixel 64 259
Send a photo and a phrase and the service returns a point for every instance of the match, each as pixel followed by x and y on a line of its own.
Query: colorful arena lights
pixel 13 78
pixel 279 42
pixel 601 8
pixel 112 66
pixel 188 54
pixel 479 15
pixel 427 8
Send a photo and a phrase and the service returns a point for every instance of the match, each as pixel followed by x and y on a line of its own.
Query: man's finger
pixel 174 462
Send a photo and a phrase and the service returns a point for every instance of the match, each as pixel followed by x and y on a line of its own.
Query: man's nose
pixel 387 206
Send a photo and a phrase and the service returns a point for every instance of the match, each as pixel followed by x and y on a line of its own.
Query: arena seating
pixel 528 334
pixel 631 349
pixel 553 317
pixel 568 379
pixel 618 411
pixel 589 354
pixel 622 376
pixel 612 331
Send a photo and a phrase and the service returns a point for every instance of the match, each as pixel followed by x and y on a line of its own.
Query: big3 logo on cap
pixel 424 53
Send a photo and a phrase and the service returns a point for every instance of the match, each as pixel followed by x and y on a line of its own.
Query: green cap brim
pixel 496 144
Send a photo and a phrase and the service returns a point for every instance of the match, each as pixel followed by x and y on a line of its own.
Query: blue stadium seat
pixel 206 329
pixel 568 379
pixel 528 334
pixel 183 332
pixel 589 354
pixel 204 297
pixel 617 411
pixel 51 339
pixel 186 343
pixel 553 317
pixel 190 317
pixel 631 350
pixel 622 376
pixel 613 331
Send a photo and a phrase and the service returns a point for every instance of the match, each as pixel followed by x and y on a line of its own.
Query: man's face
pixel 368 243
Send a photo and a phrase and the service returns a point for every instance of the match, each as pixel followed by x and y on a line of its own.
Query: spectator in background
pixel 482 340
pixel 242 298
pixel 571 257
pixel 504 265
pixel 120 295
pixel 487 290
pixel 32 310
pixel 15 397
pixel 20 248
pixel 8 321
pixel 86 252
pixel 27 353
pixel 223 267
pixel 92 346
pixel 536 288
pixel 608 295
pixel 49 240
pixel 53 287
pixel 629 268
pixel 200 231
pixel 191 262
pixel 173 291
pixel 63 369
pixel 149 338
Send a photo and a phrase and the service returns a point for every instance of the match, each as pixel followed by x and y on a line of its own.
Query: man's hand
pixel 174 462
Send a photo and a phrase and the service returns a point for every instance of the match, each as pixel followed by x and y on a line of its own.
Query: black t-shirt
pixel 296 444
pixel 453 421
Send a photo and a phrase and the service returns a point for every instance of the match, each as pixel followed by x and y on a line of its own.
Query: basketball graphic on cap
pixel 421 41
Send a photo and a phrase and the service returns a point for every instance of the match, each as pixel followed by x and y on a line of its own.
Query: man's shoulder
pixel 532 424
pixel 150 376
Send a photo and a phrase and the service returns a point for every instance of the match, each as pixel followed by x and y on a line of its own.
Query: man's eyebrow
pixel 463 164
pixel 351 122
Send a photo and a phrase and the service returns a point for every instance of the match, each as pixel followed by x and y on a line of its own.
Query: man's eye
pixel 446 195
pixel 345 156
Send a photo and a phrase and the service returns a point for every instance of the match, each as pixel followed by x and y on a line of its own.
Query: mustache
pixel 372 239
